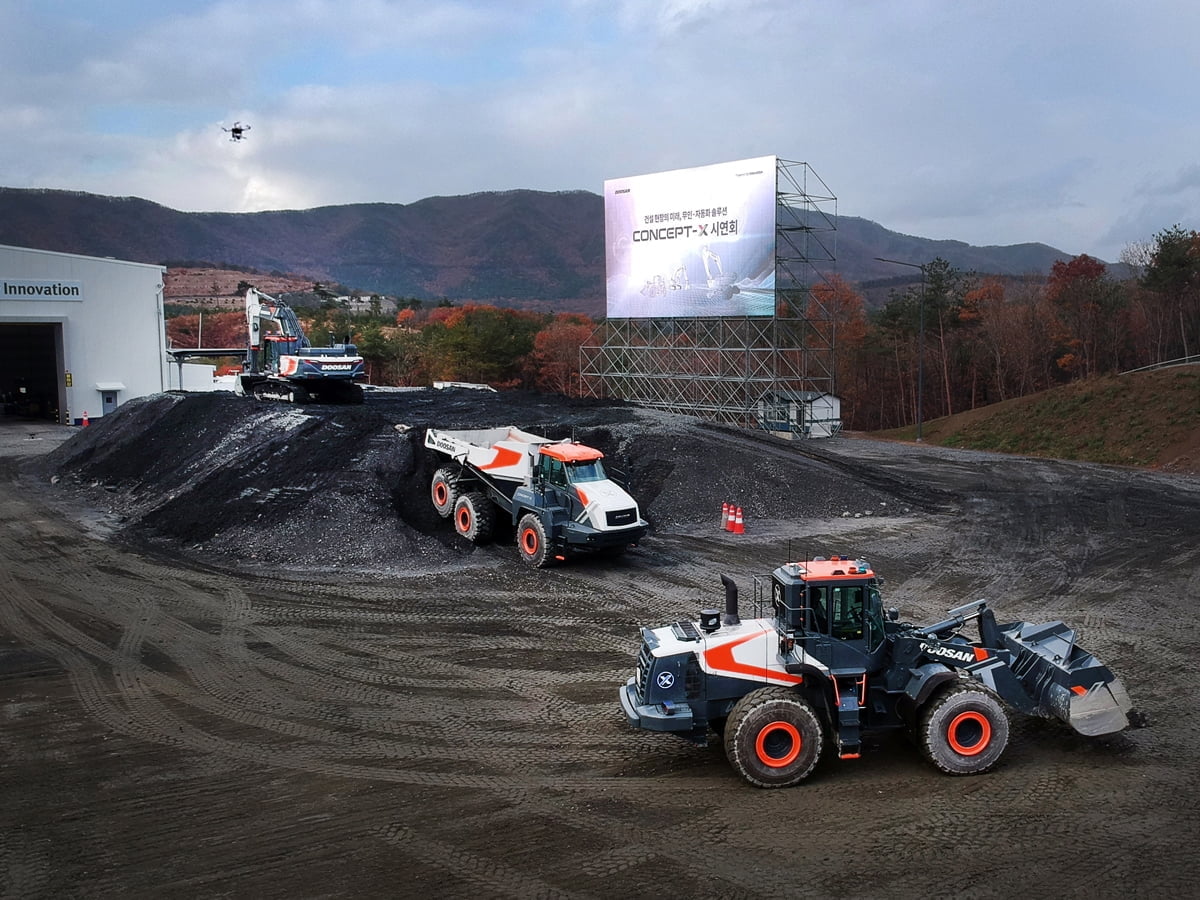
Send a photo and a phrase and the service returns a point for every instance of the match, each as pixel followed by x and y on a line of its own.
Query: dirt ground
pixel 240 656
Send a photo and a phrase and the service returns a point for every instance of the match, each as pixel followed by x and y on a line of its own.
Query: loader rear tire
pixel 531 541
pixel 443 490
pixel 963 731
pixel 773 738
pixel 474 517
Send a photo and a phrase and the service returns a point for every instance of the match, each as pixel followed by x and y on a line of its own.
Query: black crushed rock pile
pixel 240 482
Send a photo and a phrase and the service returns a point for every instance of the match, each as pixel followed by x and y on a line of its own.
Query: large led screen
pixel 692 242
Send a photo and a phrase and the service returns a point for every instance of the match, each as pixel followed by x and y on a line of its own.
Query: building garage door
pixel 32 383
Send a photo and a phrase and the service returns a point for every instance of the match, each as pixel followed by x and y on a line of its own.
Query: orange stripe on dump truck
pixel 571 452
pixel 504 457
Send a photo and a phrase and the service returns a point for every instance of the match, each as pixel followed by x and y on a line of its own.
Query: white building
pixel 78 334
pixel 801 414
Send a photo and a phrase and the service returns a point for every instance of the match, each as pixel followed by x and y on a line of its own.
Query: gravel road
pixel 239 656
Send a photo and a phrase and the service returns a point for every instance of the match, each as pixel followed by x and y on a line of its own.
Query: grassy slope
pixel 1147 419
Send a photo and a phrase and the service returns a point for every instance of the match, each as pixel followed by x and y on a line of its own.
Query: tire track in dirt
pixel 135 712
pixel 469 723
pixel 142 715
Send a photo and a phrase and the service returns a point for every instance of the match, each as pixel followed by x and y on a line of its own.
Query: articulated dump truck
pixel 557 494
pixel 825 662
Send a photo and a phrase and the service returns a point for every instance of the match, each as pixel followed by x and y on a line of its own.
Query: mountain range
pixel 521 248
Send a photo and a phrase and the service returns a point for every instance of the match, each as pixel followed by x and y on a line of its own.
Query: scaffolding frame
pixel 732 369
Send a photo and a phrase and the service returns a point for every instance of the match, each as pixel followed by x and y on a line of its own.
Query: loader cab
pixel 824 603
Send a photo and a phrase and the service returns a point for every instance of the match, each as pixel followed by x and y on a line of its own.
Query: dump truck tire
pixel 474 517
pixel 531 541
pixel 964 730
pixel 773 738
pixel 443 491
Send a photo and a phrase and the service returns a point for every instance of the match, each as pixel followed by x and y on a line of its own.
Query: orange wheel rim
pixel 778 744
pixel 969 733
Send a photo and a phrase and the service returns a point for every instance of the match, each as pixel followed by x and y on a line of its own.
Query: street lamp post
pixel 920 343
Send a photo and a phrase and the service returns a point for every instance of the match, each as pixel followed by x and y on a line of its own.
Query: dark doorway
pixel 31 380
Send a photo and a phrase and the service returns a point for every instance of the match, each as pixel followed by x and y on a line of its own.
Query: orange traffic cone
pixel 729 518
pixel 739 524
pixel 724 516
pixel 85 419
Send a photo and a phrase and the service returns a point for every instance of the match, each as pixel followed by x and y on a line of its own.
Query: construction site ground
pixel 241 657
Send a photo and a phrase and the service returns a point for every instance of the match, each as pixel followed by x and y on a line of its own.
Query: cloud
pixel 1062 123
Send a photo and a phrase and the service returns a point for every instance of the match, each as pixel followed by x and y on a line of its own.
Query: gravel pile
pixel 245 483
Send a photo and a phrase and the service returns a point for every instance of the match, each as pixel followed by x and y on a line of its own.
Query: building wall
pixel 111 315
pixel 196 377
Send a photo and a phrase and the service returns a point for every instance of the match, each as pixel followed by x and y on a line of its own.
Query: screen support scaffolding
pixel 735 370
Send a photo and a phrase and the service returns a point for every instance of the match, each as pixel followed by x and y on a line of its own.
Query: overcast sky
pixel 1075 123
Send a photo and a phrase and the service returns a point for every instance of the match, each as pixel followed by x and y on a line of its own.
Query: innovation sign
pixel 21 289
pixel 692 242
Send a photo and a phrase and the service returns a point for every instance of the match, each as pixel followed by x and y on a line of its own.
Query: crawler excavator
pixel 281 364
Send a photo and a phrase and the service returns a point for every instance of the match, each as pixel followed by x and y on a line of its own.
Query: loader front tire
pixel 443 491
pixel 963 731
pixel 531 541
pixel 773 738
pixel 474 517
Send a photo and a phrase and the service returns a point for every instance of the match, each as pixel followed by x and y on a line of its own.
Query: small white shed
pixel 801 414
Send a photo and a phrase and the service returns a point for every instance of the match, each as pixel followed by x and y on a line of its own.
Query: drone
pixel 237 132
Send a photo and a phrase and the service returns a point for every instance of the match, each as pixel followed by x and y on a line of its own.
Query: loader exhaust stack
pixel 731 602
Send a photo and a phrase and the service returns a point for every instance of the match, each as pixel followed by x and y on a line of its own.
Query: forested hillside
pixel 524 249
pixel 959 341
pixel 956 341
pixel 1149 419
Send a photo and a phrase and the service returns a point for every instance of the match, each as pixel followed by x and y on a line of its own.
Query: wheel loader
pixel 825 663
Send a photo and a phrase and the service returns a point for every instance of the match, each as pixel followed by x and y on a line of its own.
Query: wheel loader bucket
pixel 1065 681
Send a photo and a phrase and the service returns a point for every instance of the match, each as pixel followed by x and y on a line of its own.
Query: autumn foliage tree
pixel 483 344
pixel 553 365
pixel 1087 321
pixel 838 317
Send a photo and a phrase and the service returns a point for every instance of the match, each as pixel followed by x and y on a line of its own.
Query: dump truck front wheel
pixel 773 738
pixel 963 731
pixel 531 541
